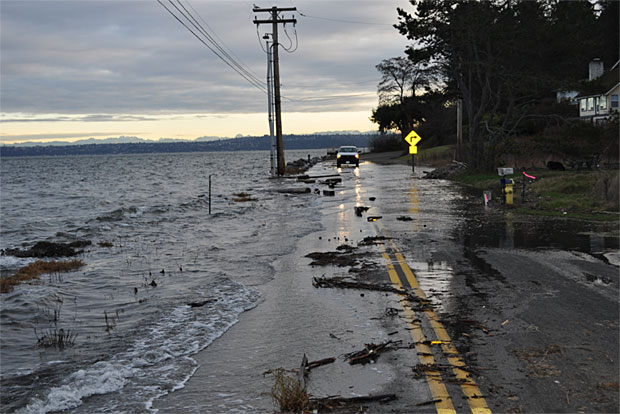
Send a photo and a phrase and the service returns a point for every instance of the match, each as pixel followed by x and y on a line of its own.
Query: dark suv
pixel 347 156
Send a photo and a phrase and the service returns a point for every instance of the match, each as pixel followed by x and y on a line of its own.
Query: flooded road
pixel 525 308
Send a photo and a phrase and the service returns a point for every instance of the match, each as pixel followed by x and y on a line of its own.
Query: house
pixel 598 98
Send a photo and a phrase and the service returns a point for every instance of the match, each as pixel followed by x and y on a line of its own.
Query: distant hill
pixel 291 142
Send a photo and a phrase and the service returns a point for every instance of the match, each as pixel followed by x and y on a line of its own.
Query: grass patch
pixel 570 194
pixel 56 338
pixel 435 156
pixel 36 269
pixel 580 216
pixel 288 394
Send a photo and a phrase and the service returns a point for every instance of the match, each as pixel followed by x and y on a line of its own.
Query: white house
pixel 599 96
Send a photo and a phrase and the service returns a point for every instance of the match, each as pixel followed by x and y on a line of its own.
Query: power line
pixel 344 21
pixel 234 65
pixel 214 42
pixel 215 34
pixel 329 97
pixel 291 49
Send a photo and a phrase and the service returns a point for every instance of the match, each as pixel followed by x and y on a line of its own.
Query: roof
pixel 602 85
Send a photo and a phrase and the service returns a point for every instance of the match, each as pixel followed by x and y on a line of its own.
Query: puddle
pixel 525 232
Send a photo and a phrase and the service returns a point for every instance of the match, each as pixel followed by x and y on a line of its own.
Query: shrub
pixel 288 393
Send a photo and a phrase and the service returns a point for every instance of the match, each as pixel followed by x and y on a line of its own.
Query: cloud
pixel 133 58
pixel 76 118
pixel 44 137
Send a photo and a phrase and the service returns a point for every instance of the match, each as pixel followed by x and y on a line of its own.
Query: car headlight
pixel 357 155
pixel 337 155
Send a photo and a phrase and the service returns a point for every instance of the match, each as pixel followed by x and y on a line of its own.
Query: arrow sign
pixel 412 139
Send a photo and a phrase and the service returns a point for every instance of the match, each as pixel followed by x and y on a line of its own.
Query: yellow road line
pixel 433 378
pixel 469 387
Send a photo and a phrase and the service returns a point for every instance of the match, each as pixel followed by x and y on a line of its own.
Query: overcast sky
pixel 79 69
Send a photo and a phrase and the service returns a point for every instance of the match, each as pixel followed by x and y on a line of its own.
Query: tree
pixel 401 116
pixel 500 57
pixel 400 78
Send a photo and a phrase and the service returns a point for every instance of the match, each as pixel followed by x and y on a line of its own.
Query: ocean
pixel 155 252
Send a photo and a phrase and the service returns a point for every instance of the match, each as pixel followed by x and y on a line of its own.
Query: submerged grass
pixel 36 269
pixel 56 338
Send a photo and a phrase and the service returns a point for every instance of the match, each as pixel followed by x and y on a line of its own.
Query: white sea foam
pixel 12 262
pixel 100 378
pixel 163 352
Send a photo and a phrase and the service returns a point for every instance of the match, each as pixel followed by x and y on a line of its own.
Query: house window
pixel 603 103
pixel 614 101
pixel 584 105
pixel 590 104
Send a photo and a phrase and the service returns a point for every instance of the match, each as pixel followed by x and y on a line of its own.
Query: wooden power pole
pixel 274 20
pixel 459 130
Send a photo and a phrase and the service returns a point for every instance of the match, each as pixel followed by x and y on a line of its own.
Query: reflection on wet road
pixel 503 284
pixel 489 293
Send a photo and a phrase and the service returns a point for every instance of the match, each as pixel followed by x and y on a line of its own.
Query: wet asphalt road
pixel 530 305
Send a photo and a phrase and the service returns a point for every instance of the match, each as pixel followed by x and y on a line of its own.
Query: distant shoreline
pixel 291 142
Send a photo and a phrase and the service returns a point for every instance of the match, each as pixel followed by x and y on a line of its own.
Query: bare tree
pixel 400 78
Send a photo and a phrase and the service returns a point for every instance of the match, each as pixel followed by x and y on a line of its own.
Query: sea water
pixel 155 251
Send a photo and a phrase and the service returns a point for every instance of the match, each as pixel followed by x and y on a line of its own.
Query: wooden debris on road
pixel 370 352
pixel 341 282
pixel 336 402
pixel 294 190
pixel 320 362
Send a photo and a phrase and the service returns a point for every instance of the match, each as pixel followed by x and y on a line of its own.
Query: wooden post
pixel 459 130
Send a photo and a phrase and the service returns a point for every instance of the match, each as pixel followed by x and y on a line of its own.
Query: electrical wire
pixel 343 21
pixel 230 61
pixel 290 49
pixel 215 34
pixel 232 64
pixel 210 38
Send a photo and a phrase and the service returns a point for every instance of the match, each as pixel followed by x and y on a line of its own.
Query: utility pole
pixel 276 73
pixel 272 146
pixel 459 130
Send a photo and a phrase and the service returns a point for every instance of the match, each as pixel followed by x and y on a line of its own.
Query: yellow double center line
pixel 439 391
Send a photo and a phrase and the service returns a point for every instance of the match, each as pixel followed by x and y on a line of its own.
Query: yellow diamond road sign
pixel 412 139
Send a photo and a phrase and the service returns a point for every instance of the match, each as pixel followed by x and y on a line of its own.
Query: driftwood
pixel 320 362
pixel 301 374
pixel 310 177
pixel 335 402
pixel 202 303
pixel 294 190
pixel 340 282
pixel 369 353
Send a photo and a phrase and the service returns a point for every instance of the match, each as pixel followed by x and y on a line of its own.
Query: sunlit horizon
pixel 42 128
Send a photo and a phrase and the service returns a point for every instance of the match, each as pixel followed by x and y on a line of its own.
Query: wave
pixel 158 361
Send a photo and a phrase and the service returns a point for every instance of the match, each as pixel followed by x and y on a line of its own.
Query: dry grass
pixel 36 269
pixel 288 393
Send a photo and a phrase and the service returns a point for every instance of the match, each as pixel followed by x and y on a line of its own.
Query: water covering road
pixel 531 305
